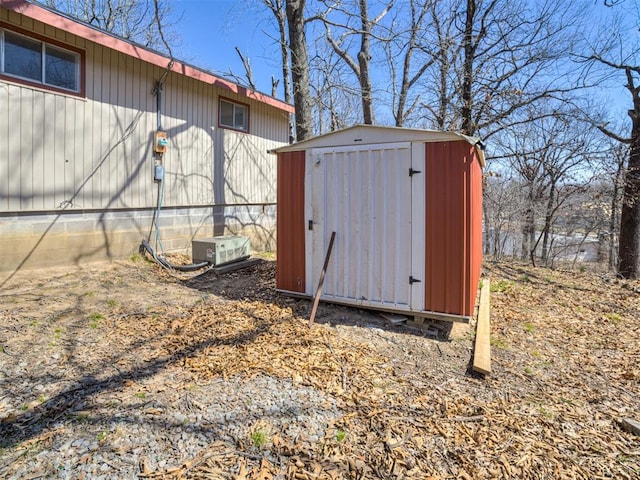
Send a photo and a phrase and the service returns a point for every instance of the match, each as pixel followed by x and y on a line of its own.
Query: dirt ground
pixel 565 353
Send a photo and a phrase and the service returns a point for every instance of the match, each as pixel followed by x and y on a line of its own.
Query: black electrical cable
pixel 182 268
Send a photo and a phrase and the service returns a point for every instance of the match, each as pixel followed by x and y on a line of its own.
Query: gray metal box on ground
pixel 220 250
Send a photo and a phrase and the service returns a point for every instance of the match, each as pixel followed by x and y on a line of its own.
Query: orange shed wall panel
pixel 290 274
pixel 453 249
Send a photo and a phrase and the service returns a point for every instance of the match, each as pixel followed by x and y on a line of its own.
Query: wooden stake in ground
pixel 316 299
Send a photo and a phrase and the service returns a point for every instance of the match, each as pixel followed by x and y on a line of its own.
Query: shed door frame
pixel 418 225
pixel 350 263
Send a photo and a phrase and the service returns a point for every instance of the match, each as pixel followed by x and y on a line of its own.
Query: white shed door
pixel 365 194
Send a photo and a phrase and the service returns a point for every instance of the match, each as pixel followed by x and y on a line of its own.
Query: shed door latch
pixel 412 172
pixel 310 225
pixel 413 280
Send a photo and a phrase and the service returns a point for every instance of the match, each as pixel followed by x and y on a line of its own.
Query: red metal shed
pixel 406 206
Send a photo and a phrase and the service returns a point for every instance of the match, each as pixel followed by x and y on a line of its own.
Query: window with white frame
pixel 39 62
pixel 234 115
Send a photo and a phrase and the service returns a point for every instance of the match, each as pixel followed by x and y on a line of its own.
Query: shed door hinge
pixel 414 280
pixel 412 172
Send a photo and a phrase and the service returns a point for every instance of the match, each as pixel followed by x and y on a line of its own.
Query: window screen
pixel 22 57
pixel 36 61
pixel 234 115
pixel 61 68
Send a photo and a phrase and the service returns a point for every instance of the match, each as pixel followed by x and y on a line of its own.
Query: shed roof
pixel 377 134
pixel 109 40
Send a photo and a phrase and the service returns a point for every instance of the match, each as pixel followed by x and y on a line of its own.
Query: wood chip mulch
pixel 566 356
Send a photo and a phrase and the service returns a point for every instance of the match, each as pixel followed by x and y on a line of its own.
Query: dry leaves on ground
pixel 565 358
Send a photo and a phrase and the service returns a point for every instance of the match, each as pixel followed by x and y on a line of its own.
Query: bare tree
pixel 502 208
pixel 629 237
pixel 408 44
pixel 334 96
pixel 551 156
pixel 291 21
pixel 471 43
pixel 278 10
pixel 299 66
pixel 440 107
pixel 605 198
pixel 508 57
pixel 617 58
pixel 525 161
pixel 615 171
pixel 568 150
pixel 247 80
pixel 361 25
pixel 137 20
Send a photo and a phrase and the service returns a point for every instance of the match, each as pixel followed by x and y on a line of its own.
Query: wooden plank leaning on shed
pixel 482 351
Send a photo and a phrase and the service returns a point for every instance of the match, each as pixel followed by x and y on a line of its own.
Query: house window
pixel 234 115
pixel 38 62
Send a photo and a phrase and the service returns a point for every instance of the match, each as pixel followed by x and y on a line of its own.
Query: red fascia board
pixel 45 16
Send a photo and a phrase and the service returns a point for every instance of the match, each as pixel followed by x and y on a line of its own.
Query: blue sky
pixel 211 29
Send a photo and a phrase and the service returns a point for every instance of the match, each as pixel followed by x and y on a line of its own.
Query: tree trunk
pixel 467 70
pixel 278 9
pixel 487 232
pixel 548 218
pixel 364 56
pixel 299 67
pixel 361 65
pixel 629 243
pixel 532 239
pixel 602 246
pixel 613 218
pixel 528 231
pixel 629 239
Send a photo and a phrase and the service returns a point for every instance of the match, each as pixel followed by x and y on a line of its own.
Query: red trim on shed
pixel 453 237
pixel 290 273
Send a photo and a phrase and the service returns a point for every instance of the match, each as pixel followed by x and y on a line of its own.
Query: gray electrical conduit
pixel 182 268
pixel 157 91
pixel 147 246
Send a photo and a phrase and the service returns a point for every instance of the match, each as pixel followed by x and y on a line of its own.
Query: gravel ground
pixel 155 430
pixel 88 389
pixel 122 371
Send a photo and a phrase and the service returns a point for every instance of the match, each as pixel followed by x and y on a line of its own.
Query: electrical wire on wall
pixel 157 251
pixel 160 143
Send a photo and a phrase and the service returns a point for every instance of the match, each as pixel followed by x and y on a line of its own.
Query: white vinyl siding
pixel 60 151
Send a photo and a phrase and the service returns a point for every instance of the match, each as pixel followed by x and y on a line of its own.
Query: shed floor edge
pixel 446 317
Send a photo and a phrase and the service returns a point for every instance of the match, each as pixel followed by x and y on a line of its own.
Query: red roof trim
pixel 58 21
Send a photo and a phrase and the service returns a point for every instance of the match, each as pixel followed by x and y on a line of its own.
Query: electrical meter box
pixel 221 250
pixel 160 142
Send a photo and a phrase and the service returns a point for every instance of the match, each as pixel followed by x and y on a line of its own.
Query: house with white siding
pixel 80 110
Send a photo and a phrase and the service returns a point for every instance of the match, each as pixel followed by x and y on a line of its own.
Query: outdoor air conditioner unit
pixel 220 250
